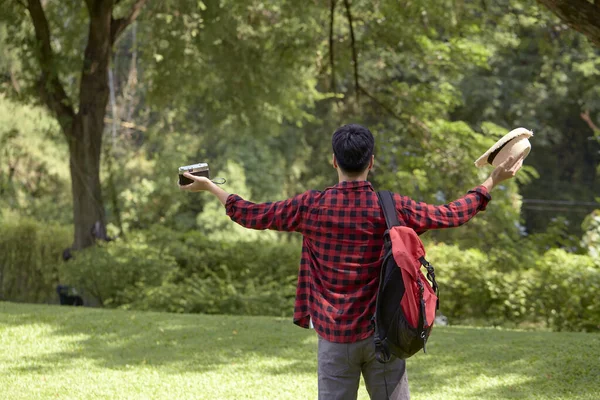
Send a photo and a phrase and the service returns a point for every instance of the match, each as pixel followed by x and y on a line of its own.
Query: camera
pixel 200 169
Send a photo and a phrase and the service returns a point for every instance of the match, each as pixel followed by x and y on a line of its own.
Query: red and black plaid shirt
pixel 343 230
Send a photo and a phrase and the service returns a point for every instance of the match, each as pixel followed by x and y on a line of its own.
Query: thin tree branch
pixel 412 119
pixel 127 125
pixel 51 90
pixel 580 15
pixel 14 81
pixel 382 105
pixel 331 55
pixel 588 120
pixel 118 25
pixel 353 44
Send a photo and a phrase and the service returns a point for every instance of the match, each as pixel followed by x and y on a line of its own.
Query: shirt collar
pixel 353 185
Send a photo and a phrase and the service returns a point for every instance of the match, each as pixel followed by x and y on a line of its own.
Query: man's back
pixel 341 261
pixel 343 229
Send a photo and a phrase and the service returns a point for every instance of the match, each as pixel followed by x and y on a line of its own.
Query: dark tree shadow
pixel 177 342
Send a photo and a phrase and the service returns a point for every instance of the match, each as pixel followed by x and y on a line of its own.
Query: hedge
pixel 164 270
pixel 30 253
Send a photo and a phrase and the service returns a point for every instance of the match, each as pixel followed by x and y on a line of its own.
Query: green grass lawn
pixel 52 352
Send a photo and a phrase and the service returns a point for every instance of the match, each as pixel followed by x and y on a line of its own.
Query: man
pixel 342 230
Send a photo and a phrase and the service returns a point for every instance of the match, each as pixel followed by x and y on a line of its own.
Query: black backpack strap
pixel 386 201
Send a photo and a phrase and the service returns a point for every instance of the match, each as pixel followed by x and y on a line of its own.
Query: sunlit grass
pixel 51 352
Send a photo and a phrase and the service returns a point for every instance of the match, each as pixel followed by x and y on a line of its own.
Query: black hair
pixel 353 147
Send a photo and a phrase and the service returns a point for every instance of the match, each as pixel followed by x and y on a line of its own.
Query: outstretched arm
pixel 422 216
pixel 283 215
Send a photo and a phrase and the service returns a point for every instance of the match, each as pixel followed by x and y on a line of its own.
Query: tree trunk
pixel 85 139
pixel 88 207
pixel 84 128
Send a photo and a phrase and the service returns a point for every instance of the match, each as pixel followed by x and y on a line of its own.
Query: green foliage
pixel 223 276
pixel 170 271
pixel 558 290
pixel 34 174
pixel 541 75
pixel 474 288
pixel 255 60
pixel 114 272
pixel 214 223
pixel 565 291
pixel 30 253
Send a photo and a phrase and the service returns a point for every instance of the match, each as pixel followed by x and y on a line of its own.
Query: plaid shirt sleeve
pixel 286 215
pixel 422 216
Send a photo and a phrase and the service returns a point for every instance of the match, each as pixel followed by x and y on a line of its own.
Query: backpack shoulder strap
pixel 386 201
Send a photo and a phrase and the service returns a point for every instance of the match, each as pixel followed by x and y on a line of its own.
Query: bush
pixel 30 252
pixel 164 270
pixel 565 291
pixel 218 277
pixel 559 290
pixel 463 292
pixel 114 273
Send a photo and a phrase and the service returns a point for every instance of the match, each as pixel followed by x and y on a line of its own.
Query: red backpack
pixel 406 301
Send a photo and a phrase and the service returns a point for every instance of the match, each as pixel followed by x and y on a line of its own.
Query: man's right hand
pixel 508 169
pixel 199 183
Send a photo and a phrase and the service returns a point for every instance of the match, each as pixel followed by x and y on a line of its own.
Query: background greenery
pixel 256 88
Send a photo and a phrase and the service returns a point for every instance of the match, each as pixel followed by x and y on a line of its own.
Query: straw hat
pixel 512 144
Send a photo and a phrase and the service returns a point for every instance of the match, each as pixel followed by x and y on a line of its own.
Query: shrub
pixel 463 292
pixel 565 291
pixel 559 290
pixel 30 252
pixel 115 272
pixel 165 270
pixel 252 278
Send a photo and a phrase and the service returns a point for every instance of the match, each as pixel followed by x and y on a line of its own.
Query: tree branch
pixel 382 105
pixel 331 55
pixel 353 44
pixel 127 125
pixel 118 25
pixel 580 15
pixel 412 119
pixel 588 120
pixel 51 90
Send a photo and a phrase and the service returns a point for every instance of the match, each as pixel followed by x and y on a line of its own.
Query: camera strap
pixel 218 181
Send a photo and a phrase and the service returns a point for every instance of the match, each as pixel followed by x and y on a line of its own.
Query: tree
pixel 81 119
pixel 541 76
pixel 581 15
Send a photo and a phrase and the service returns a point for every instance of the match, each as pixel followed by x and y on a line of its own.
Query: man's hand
pixel 199 183
pixel 508 169
pixel 202 183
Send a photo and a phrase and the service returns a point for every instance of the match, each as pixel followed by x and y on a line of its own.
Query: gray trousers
pixel 340 366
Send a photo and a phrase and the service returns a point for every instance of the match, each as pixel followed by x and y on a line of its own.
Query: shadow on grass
pixel 177 343
pixel 476 363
